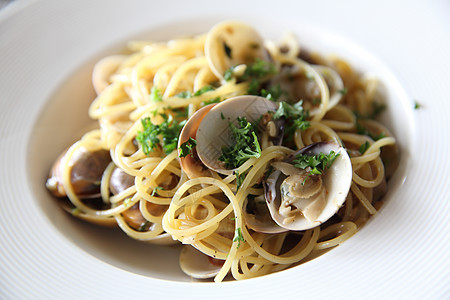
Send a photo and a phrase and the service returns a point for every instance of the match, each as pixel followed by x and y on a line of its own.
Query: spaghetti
pixel 132 161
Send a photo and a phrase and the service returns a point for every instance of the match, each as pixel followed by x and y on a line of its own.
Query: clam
pixel 191 165
pixel 298 200
pixel 212 132
pixel 86 172
pixel 258 218
pixel 298 85
pixel 119 182
pixel 198 265
pixel 232 43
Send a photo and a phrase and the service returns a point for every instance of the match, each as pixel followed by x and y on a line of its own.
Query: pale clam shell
pixel 336 182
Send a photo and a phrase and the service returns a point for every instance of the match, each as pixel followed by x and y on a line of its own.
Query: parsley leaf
pixel 254 72
pixel 245 144
pixel 144 226
pixel 417 105
pixel 165 134
pixel 295 117
pixel 188 94
pixel 314 164
pixel 259 69
pixel 273 93
pixel 156 189
pixel 228 75
pixel 363 148
pixel 210 101
pixel 238 237
pixel 344 91
pixel 155 94
pixel 186 147
pixel 363 130
pixel 239 180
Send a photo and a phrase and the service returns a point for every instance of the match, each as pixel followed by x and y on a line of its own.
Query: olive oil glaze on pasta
pixel 255 155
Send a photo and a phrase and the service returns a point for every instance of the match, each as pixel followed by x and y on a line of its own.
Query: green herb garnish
pixel 255 73
pixel 417 105
pixel 144 226
pixel 238 237
pixel 156 189
pixel 186 147
pixel 188 94
pixel 363 148
pixel 155 94
pixel 314 164
pixel 344 91
pixel 295 117
pixel 239 179
pixel 364 131
pixel 245 144
pixel 273 93
pixel 165 134
pixel 210 101
pixel 228 75
pixel 259 69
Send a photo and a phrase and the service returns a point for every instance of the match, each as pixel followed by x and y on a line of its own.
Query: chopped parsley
pixel 289 111
pixel 238 237
pixel 165 134
pixel 259 69
pixel 316 101
pixel 156 189
pixel 273 93
pixel 228 75
pixel 295 117
pixel 377 109
pixel 314 164
pixel 255 73
pixel 239 179
pixel 363 130
pixel 144 226
pixel 417 105
pixel 245 144
pixel 344 91
pixel 155 94
pixel 210 101
pixel 363 148
pixel 188 94
pixel 186 147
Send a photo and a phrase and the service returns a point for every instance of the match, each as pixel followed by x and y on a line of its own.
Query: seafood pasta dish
pixel 254 155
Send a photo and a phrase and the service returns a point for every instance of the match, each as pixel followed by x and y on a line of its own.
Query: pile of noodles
pixel 206 212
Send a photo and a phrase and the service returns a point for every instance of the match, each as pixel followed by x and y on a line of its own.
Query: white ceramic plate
pixel 47 50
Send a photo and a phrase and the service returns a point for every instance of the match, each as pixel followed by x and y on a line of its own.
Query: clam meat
pixel 300 199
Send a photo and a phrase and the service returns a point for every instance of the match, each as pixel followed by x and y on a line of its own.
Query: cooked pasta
pixel 147 169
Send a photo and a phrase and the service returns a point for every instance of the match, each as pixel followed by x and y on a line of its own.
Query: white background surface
pixel 402 254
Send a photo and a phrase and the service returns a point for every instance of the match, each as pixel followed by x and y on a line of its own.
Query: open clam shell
pixel 191 164
pixel 326 195
pixel 213 132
